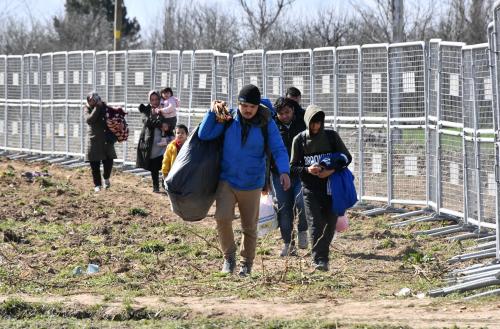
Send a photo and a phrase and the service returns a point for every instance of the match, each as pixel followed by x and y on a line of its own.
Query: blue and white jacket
pixel 244 166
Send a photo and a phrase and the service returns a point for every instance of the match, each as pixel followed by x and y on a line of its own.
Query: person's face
pixel 92 102
pixel 166 94
pixel 314 127
pixel 180 135
pixel 248 110
pixel 165 127
pixel 295 98
pixel 154 100
pixel 285 115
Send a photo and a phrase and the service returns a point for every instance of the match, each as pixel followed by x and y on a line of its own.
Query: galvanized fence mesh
pixel 3 101
pixel 324 81
pixel 374 128
pixel 450 124
pixel 274 78
pixel 46 99
pixel 237 75
pixel 75 90
pixel 14 99
pixel 297 72
pixel 407 115
pixel 421 123
pixel 185 92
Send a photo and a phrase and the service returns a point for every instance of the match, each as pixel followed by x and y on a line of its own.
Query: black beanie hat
pixel 249 94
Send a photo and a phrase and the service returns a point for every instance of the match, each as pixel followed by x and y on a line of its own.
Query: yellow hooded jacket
pixel 169 158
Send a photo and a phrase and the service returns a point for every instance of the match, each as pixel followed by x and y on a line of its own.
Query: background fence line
pixel 421 120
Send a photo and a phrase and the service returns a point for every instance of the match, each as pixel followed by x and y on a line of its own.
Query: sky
pixel 147 12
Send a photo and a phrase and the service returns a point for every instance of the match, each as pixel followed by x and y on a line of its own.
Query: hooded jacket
pixel 150 122
pixel 308 149
pixel 243 163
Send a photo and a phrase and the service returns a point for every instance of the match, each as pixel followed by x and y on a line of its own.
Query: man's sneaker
pixel 107 184
pixel 288 250
pixel 97 189
pixel 156 190
pixel 321 265
pixel 302 239
pixel 245 269
pixel 229 265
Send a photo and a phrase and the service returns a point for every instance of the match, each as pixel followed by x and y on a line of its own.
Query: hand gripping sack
pixel 268 220
pixel 192 181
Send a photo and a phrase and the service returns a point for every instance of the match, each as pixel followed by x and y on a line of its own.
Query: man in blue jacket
pixel 243 172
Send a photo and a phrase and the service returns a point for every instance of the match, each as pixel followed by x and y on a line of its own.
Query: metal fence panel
pixel 76 77
pixel 350 136
pixel 101 74
pixel 324 81
pixel 237 75
pixel 450 118
pixel 31 95
pixel 203 89
pixel 89 83
pixel 117 87
pixel 408 150
pixel 3 101
pixel 14 116
pixel 470 171
pixel 433 101
pixel 59 99
pixel 485 144
pixel 166 72
pixel 408 162
pixel 487 182
pixel 139 77
pixel 374 130
pixel 47 115
pixel 297 72
pixel 222 77
pixel 139 73
pixel 407 82
pixel 185 88
pixel 274 75
pixel 347 61
pixel 253 69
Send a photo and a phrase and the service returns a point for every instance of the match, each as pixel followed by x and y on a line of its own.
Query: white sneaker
pixel 302 239
pixel 107 184
pixel 97 189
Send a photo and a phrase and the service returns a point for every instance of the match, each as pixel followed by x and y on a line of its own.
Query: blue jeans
pixel 288 201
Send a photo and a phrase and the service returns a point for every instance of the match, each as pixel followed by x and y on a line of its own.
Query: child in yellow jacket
pixel 181 133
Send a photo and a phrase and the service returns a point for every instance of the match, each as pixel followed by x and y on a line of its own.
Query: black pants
pixel 96 170
pixel 321 220
pixel 155 165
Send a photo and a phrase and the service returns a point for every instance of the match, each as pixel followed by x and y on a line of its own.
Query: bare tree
pixel 18 37
pixel 260 18
pixel 201 27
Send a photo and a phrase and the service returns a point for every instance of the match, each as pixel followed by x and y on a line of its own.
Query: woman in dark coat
pixel 149 155
pixel 101 141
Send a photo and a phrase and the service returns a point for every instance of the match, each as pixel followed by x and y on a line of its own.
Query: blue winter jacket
pixel 244 166
pixel 340 183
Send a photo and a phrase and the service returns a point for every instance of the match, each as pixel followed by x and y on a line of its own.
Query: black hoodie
pixel 308 149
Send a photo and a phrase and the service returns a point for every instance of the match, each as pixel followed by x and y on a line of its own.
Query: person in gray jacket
pixel 101 141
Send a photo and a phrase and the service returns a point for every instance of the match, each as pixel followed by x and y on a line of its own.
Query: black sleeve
pixel 297 164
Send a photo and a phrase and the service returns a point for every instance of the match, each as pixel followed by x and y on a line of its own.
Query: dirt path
pixel 416 313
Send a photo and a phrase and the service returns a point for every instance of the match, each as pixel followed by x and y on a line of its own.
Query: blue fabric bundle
pixel 341 183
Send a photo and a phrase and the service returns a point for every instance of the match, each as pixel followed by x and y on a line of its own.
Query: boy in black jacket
pixel 308 148
pixel 290 201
